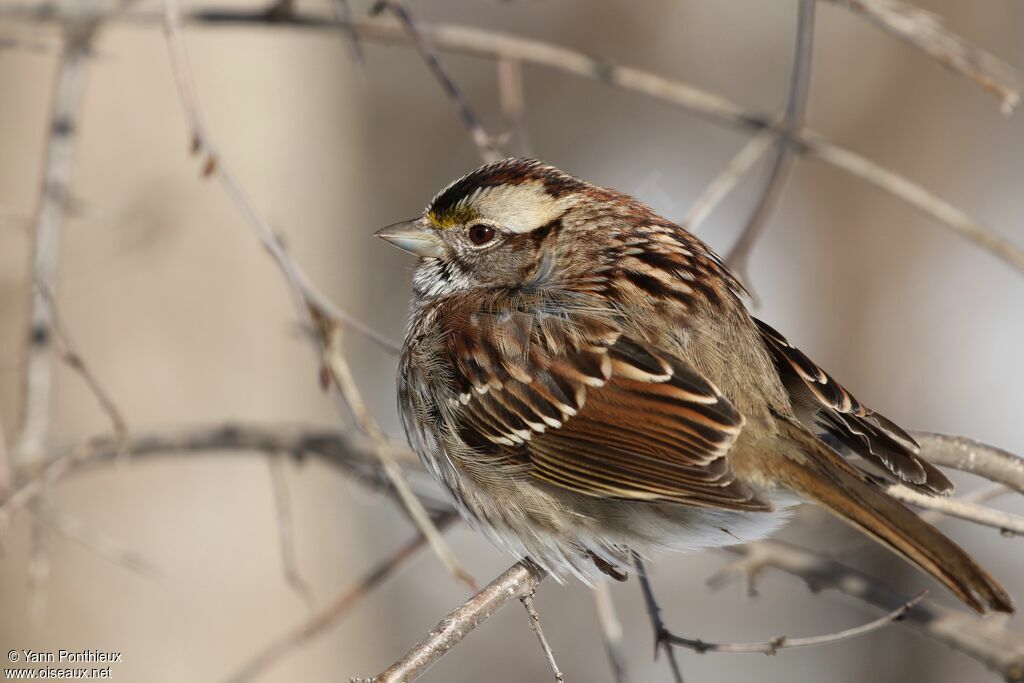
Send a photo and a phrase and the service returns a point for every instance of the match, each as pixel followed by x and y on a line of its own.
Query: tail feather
pixel 818 473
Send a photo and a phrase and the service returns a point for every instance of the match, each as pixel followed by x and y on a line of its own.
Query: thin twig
pixel 74 360
pixel 710 106
pixel 792 120
pixel 654 612
pixel 343 11
pixel 326 317
pixel 517 581
pixel 213 164
pixel 286 530
pixel 611 631
pixel 110 549
pixel 338 367
pixel 531 612
pixel 725 181
pixel 484 141
pixel 985 640
pixel 925 31
pixel 931 515
pixel 336 610
pixel 771 647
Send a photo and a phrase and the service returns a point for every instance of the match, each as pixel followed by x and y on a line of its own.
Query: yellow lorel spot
pixel 455 216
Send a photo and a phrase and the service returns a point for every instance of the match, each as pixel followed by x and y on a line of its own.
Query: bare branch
pixel 654 612
pixel 611 631
pixel 302 288
pixel 725 181
pixel 334 611
pixel 985 640
pixel 710 106
pixel 925 31
pixel 915 195
pixel 1003 521
pixel 351 452
pixel 326 317
pixel 520 580
pixel 49 219
pixel 484 141
pixel 771 647
pixel 974 457
pixel 792 121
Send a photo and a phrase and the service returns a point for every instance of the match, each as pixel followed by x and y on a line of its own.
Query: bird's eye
pixel 480 234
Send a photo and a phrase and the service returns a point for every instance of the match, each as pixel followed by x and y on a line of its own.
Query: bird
pixel 584 378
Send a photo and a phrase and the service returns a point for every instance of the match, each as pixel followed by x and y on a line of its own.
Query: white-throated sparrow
pixel 584 378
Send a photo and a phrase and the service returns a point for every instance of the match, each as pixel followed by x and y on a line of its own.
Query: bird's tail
pixel 815 471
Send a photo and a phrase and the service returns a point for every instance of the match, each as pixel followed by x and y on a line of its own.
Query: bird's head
pixel 498 226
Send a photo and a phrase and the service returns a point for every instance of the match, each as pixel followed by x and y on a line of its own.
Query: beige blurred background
pixel 183 318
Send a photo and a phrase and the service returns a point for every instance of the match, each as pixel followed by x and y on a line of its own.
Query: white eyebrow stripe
pixel 518 208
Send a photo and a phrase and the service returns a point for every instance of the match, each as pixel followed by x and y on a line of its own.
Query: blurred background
pixel 184 319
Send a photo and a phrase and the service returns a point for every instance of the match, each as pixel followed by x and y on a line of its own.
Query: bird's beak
pixel 413 237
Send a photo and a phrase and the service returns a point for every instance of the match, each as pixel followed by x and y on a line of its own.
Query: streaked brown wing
pixel 867 433
pixel 597 413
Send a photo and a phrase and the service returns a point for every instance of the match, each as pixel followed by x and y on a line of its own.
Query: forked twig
pixel 517 581
pixel 654 612
pixel 985 640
